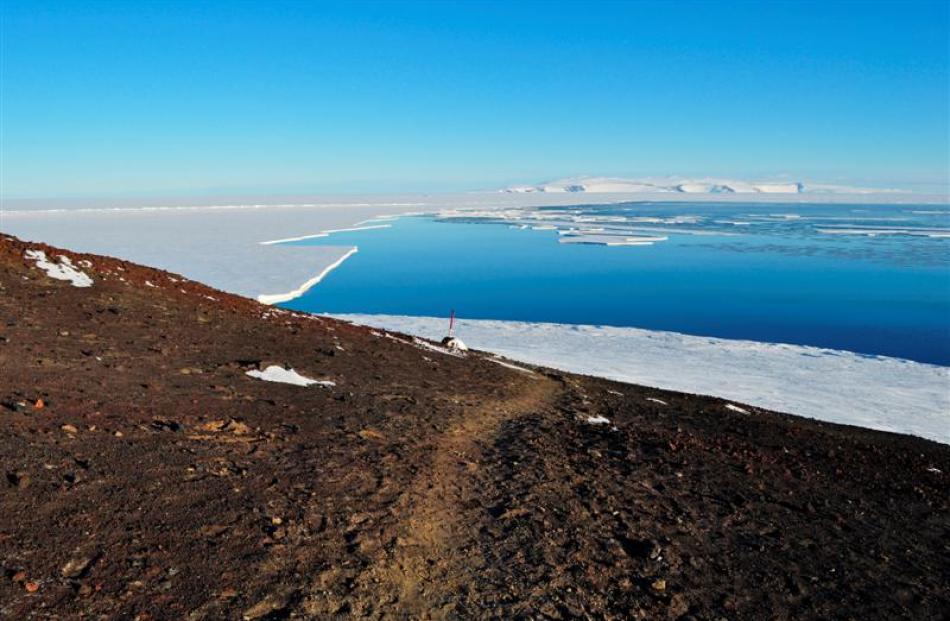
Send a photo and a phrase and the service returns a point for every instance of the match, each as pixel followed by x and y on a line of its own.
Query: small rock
pixel 273 604
pixel 678 606
pixel 31 587
pixel 370 434
pixel 214 425
pixel 213 530
pixel 238 428
pixel 75 567
pixel 160 424
pixel 659 585
pixel 19 479
pixel 69 428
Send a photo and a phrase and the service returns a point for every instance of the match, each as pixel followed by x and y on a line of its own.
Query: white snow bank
pixel 508 365
pixel 735 408
pixel 876 392
pixel 64 270
pixel 275 373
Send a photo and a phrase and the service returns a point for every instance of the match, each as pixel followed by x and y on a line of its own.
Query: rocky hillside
pixel 149 472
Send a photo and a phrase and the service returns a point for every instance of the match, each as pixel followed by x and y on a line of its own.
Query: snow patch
pixel 597 420
pixel 275 373
pixel 508 365
pixel 64 270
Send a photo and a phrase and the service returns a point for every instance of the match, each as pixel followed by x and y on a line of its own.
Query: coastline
pixel 222 248
pixel 874 392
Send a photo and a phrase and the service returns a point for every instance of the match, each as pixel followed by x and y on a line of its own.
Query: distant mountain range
pixel 688 186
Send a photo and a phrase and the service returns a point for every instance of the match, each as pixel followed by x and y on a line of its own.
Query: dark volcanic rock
pixel 147 476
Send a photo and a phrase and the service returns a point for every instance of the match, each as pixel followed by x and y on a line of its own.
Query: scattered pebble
pixel 75 567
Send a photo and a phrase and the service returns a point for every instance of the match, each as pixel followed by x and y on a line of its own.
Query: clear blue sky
pixel 175 97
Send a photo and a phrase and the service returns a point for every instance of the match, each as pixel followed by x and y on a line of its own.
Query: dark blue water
pixel 776 280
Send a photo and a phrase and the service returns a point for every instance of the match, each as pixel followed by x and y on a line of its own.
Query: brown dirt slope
pixel 146 476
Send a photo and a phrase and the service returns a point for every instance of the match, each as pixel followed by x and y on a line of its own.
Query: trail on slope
pixel 436 549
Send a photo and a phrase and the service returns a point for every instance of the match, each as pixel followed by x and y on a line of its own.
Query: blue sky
pixel 105 98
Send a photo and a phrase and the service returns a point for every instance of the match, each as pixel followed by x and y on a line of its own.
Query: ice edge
pixel 277 298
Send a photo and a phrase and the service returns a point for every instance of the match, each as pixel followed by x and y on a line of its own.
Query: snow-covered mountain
pixel 686 186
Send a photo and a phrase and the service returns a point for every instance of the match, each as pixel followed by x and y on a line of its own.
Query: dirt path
pixel 423 576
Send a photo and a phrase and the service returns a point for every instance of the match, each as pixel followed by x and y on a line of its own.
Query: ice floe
pixel 611 240
pixel 874 231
